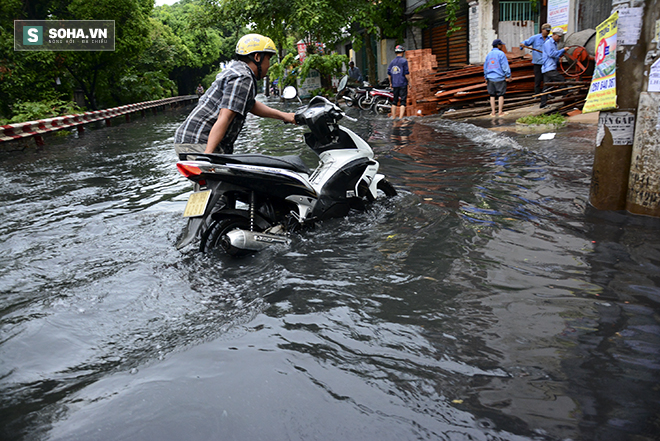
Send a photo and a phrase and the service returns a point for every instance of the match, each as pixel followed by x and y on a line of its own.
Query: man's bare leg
pixel 501 104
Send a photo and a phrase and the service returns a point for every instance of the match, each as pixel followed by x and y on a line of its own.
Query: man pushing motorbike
pixel 220 113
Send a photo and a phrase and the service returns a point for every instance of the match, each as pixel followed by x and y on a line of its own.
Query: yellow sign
pixel 602 93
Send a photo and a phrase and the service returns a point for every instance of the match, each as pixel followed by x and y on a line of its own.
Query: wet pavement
pixel 486 301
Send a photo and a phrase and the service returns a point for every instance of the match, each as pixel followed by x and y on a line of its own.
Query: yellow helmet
pixel 251 43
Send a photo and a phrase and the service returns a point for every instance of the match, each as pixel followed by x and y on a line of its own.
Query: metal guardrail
pixel 15 131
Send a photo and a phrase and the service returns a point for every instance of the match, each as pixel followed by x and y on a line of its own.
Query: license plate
pixel 197 203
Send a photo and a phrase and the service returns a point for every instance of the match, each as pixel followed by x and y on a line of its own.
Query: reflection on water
pixel 483 302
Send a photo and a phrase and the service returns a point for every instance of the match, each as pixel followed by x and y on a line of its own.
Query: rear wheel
pixel 382 106
pixel 213 237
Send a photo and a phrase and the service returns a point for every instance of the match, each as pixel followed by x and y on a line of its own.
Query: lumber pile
pixel 461 92
pixel 466 89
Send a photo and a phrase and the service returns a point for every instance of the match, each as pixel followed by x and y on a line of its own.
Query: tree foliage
pixel 453 6
pixel 326 65
pixel 158 52
pixel 165 50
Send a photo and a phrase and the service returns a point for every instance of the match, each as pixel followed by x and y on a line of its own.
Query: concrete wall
pixel 481 32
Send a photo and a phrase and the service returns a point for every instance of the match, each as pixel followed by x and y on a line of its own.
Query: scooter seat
pixel 289 162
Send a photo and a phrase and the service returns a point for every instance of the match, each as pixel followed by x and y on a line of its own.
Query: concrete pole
pixel 644 182
pixel 609 181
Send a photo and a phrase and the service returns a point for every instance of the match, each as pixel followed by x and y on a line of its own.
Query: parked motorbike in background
pixel 379 100
pixel 245 203
pixel 383 99
pixel 350 91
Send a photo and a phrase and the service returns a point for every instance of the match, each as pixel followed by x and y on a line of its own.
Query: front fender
pixel 373 187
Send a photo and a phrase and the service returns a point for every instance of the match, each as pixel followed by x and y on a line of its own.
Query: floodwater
pixel 484 302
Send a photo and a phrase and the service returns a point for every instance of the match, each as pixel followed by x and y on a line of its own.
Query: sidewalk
pixel 512 115
pixel 578 134
pixel 582 125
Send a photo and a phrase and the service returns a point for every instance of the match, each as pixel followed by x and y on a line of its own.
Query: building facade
pixel 478 23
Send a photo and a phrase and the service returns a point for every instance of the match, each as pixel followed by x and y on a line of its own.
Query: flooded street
pixel 484 302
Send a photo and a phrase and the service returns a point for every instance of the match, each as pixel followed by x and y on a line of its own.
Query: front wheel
pixel 364 102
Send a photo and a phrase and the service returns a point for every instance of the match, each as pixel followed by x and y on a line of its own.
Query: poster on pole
pixel 629 26
pixel 602 93
pixel 558 13
pixel 654 77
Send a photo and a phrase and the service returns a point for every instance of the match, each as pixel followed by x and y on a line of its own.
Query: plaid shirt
pixel 235 89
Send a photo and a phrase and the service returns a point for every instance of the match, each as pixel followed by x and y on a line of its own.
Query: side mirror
pixel 289 93
pixel 342 83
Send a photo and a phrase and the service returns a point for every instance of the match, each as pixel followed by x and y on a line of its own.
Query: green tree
pixel 272 18
pixel 26 76
pixel 132 27
pixel 310 20
pixel 204 43
pixel 326 65
pixel 34 74
pixel 382 19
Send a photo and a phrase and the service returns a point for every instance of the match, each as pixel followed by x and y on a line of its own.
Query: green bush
pixel 555 119
pixel 286 71
pixel 322 92
pixel 34 110
pixel 326 65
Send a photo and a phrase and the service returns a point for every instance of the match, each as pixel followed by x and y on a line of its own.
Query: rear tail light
pixel 188 170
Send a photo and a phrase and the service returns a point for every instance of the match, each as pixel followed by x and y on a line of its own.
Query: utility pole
pixel 614 145
pixel 643 195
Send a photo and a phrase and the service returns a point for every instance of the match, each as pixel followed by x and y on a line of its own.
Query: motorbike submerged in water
pixel 243 203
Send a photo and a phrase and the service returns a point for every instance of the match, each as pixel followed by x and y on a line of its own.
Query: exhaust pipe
pixel 242 241
pixel 383 108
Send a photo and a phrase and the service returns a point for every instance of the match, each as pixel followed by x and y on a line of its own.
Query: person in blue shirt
pixel 535 43
pixel 497 74
pixel 398 73
pixel 354 72
pixel 551 56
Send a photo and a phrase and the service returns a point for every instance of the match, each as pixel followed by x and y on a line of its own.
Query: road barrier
pixel 34 129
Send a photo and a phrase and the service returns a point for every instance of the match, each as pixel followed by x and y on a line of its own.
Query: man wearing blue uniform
pixel 535 43
pixel 497 74
pixel 551 56
pixel 398 72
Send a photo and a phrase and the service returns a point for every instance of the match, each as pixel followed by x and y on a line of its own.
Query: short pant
pixel 189 148
pixel 400 93
pixel 496 88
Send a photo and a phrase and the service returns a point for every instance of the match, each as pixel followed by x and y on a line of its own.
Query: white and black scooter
pixel 246 202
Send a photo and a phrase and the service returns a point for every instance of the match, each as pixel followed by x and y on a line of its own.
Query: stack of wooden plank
pixel 466 88
pixel 461 92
